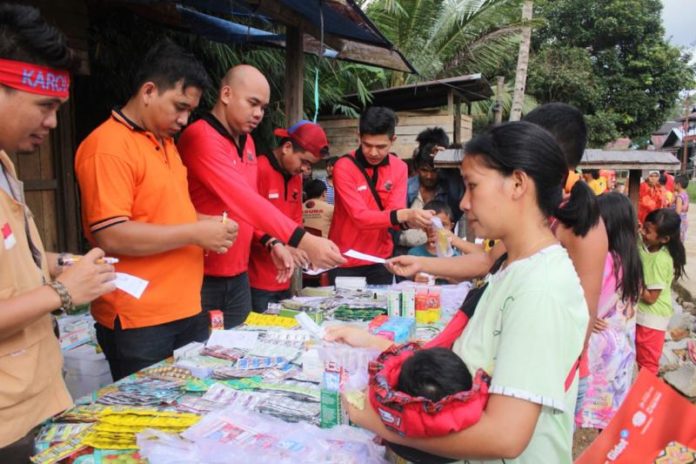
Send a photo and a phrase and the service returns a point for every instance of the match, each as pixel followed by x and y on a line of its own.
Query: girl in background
pixel 663 256
pixel 682 203
pixel 610 350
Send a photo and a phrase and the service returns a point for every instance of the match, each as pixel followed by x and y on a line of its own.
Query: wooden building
pixel 336 29
pixel 418 106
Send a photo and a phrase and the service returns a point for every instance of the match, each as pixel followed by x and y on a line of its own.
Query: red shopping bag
pixel 651 416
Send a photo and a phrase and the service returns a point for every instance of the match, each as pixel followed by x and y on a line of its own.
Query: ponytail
pixel 580 213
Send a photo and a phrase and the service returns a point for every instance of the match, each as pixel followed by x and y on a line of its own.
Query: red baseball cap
pixel 309 136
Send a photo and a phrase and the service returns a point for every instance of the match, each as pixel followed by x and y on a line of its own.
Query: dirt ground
pixel 582 439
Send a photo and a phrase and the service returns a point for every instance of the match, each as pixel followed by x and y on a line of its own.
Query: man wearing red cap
pixel 222 171
pixel 280 181
pixel 34 83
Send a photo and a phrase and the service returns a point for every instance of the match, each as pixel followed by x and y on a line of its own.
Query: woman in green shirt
pixel 529 326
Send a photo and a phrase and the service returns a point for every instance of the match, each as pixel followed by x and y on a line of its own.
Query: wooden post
pixel 294 104
pixel 294 75
pixel 634 186
pixel 457 119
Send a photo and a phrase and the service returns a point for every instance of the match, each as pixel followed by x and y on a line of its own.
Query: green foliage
pixel 116 53
pixel 446 38
pixel 631 75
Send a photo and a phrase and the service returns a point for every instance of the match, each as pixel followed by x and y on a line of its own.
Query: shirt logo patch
pixel 295 194
pixel 362 188
pixel 273 195
pixel 8 237
pixel 388 186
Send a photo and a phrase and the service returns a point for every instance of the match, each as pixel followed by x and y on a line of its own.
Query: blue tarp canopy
pixel 334 28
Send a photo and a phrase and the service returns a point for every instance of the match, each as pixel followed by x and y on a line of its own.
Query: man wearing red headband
pixel 34 82
pixel 280 181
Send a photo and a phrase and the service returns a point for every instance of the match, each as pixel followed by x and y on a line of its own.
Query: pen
pixel 68 260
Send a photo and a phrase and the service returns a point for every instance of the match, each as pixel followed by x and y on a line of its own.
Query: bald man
pixel 220 155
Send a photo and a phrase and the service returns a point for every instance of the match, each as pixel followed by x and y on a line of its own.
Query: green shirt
pixel 527 332
pixel 658 273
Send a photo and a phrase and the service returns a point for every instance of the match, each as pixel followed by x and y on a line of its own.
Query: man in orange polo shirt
pixel 135 205
pixel 34 82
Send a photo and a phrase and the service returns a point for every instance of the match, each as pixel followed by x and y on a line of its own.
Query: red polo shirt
pixel 358 222
pixel 285 193
pixel 222 177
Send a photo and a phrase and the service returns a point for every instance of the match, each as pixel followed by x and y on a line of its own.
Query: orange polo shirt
pixel 126 174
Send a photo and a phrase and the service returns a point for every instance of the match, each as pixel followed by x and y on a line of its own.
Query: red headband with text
pixel 34 78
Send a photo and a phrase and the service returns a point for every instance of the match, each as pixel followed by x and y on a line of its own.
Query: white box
pixel 85 370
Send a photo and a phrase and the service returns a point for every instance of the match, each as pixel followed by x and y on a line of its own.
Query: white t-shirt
pixel 527 333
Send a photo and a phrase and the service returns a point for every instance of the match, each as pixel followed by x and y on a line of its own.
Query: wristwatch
pixel 66 303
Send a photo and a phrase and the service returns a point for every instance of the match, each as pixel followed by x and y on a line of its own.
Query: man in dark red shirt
pixel 280 181
pixel 222 171
pixel 370 198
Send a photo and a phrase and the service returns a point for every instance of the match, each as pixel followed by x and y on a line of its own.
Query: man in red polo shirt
pixel 222 170
pixel 280 181
pixel 370 198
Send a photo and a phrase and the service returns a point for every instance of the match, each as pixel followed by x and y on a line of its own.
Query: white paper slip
pixel 364 257
pixel 313 272
pixel 310 326
pixel 241 339
pixel 132 285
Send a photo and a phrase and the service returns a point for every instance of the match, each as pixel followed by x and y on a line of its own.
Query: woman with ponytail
pixel 663 256
pixel 529 325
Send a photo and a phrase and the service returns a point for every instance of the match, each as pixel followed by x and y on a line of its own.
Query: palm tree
pixel 522 63
pixel 445 38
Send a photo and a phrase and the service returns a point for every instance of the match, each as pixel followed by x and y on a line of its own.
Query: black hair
pixel 439 207
pixel 663 179
pixel 378 120
pixel 433 136
pixel 526 147
pixel 567 124
pixel 331 161
pixel 593 172
pixel 682 180
pixel 424 161
pixel 668 223
pixel 166 64
pixel 296 147
pixel 621 223
pixel 314 188
pixel 26 36
pixel 433 374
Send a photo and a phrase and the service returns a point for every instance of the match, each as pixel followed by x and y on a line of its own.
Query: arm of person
pixel 679 204
pixel 504 431
pixel 458 268
pixel 84 281
pixel 211 165
pixel 650 296
pixel 465 246
pixel 108 184
pixel 134 238
pixel 588 254
pixel 347 181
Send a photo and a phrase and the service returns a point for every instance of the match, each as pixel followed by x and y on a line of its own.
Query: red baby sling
pixel 420 417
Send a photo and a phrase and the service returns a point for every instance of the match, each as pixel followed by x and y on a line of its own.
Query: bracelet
pixel 271 243
pixel 66 303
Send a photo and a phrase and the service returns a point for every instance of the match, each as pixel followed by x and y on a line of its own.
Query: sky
pixel 679 19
